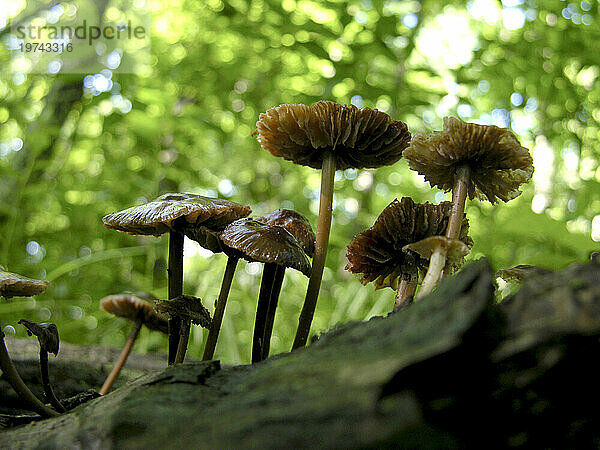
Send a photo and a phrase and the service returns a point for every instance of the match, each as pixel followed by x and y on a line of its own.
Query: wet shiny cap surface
pixel 159 216
pixel 257 241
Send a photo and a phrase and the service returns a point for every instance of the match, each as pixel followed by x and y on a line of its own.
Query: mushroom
pixel 329 137
pixel 13 285
pixel 187 309
pixel 166 214
pixel 483 161
pixel 136 308
pixel 299 227
pixel 379 253
pixel 47 334
pixel 274 246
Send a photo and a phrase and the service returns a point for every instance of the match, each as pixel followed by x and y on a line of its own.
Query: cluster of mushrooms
pixel 410 245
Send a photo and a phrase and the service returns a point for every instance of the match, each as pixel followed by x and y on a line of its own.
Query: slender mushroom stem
pixel 175 288
pixel 459 199
pixel 406 288
pixel 122 358
pixel 48 391
pixel 275 291
pixel 264 298
pixel 183 341
pixel 321 242
pixel 215 326
pixel 15 380
pixel 438 258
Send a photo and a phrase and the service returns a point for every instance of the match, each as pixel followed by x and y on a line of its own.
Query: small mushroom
pixel 274 246
pixel 47 334
pixel 329 137
pixel 14 285
pixel 480 161
pixel 379 253
pixel 136 308
pixel 455 250
pixel 299 227
pixel 168 213
pixel 188 310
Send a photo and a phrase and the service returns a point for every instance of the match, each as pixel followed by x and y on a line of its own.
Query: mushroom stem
pixel 438 258
pixel 321 242
pixel 215 326
pixel 459 199
pixel 122 358
pixel 183 341
pixel 175 288
pixel 48 391
pixel 264 299
pixel 406 288
pixel 15 380
pixel 277 283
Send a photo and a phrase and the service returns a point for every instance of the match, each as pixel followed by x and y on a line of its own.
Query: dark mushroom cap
pixel 519 273
pixel 186 307
pixel 498 163
pixel 47 334
pixel 15 285
pixel 158 216
pixel 377 253
pixel 359 138
pixel 135 307
pixel 264 243
pixel 296 224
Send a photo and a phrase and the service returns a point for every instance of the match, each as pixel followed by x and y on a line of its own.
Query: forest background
pixel 77 146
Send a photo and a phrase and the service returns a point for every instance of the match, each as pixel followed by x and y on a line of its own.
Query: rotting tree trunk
pixel 454 370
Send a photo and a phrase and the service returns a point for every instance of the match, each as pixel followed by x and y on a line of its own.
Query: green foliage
pixel 68 156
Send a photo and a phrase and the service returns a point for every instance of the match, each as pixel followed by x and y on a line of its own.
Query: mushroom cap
pixel 264 243
pixel 186 307
pixel 134 307
pixel 47 334
pixel 498 163
pixel 377 253
pixel 359 138
pixel 296 224
pixel 456 249
pixel 15 285
pixel 519 273
pixel 157 217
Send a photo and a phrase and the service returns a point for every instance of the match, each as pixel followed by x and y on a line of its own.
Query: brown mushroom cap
pixel 519 273
pixel 15 285
pixel 377 253
pixel 158 216
pixel 359 138
pixel 47 334
pixel 266 243
pixel 186 307
pixel 296 224
pixel 498 163
pixel 135 307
